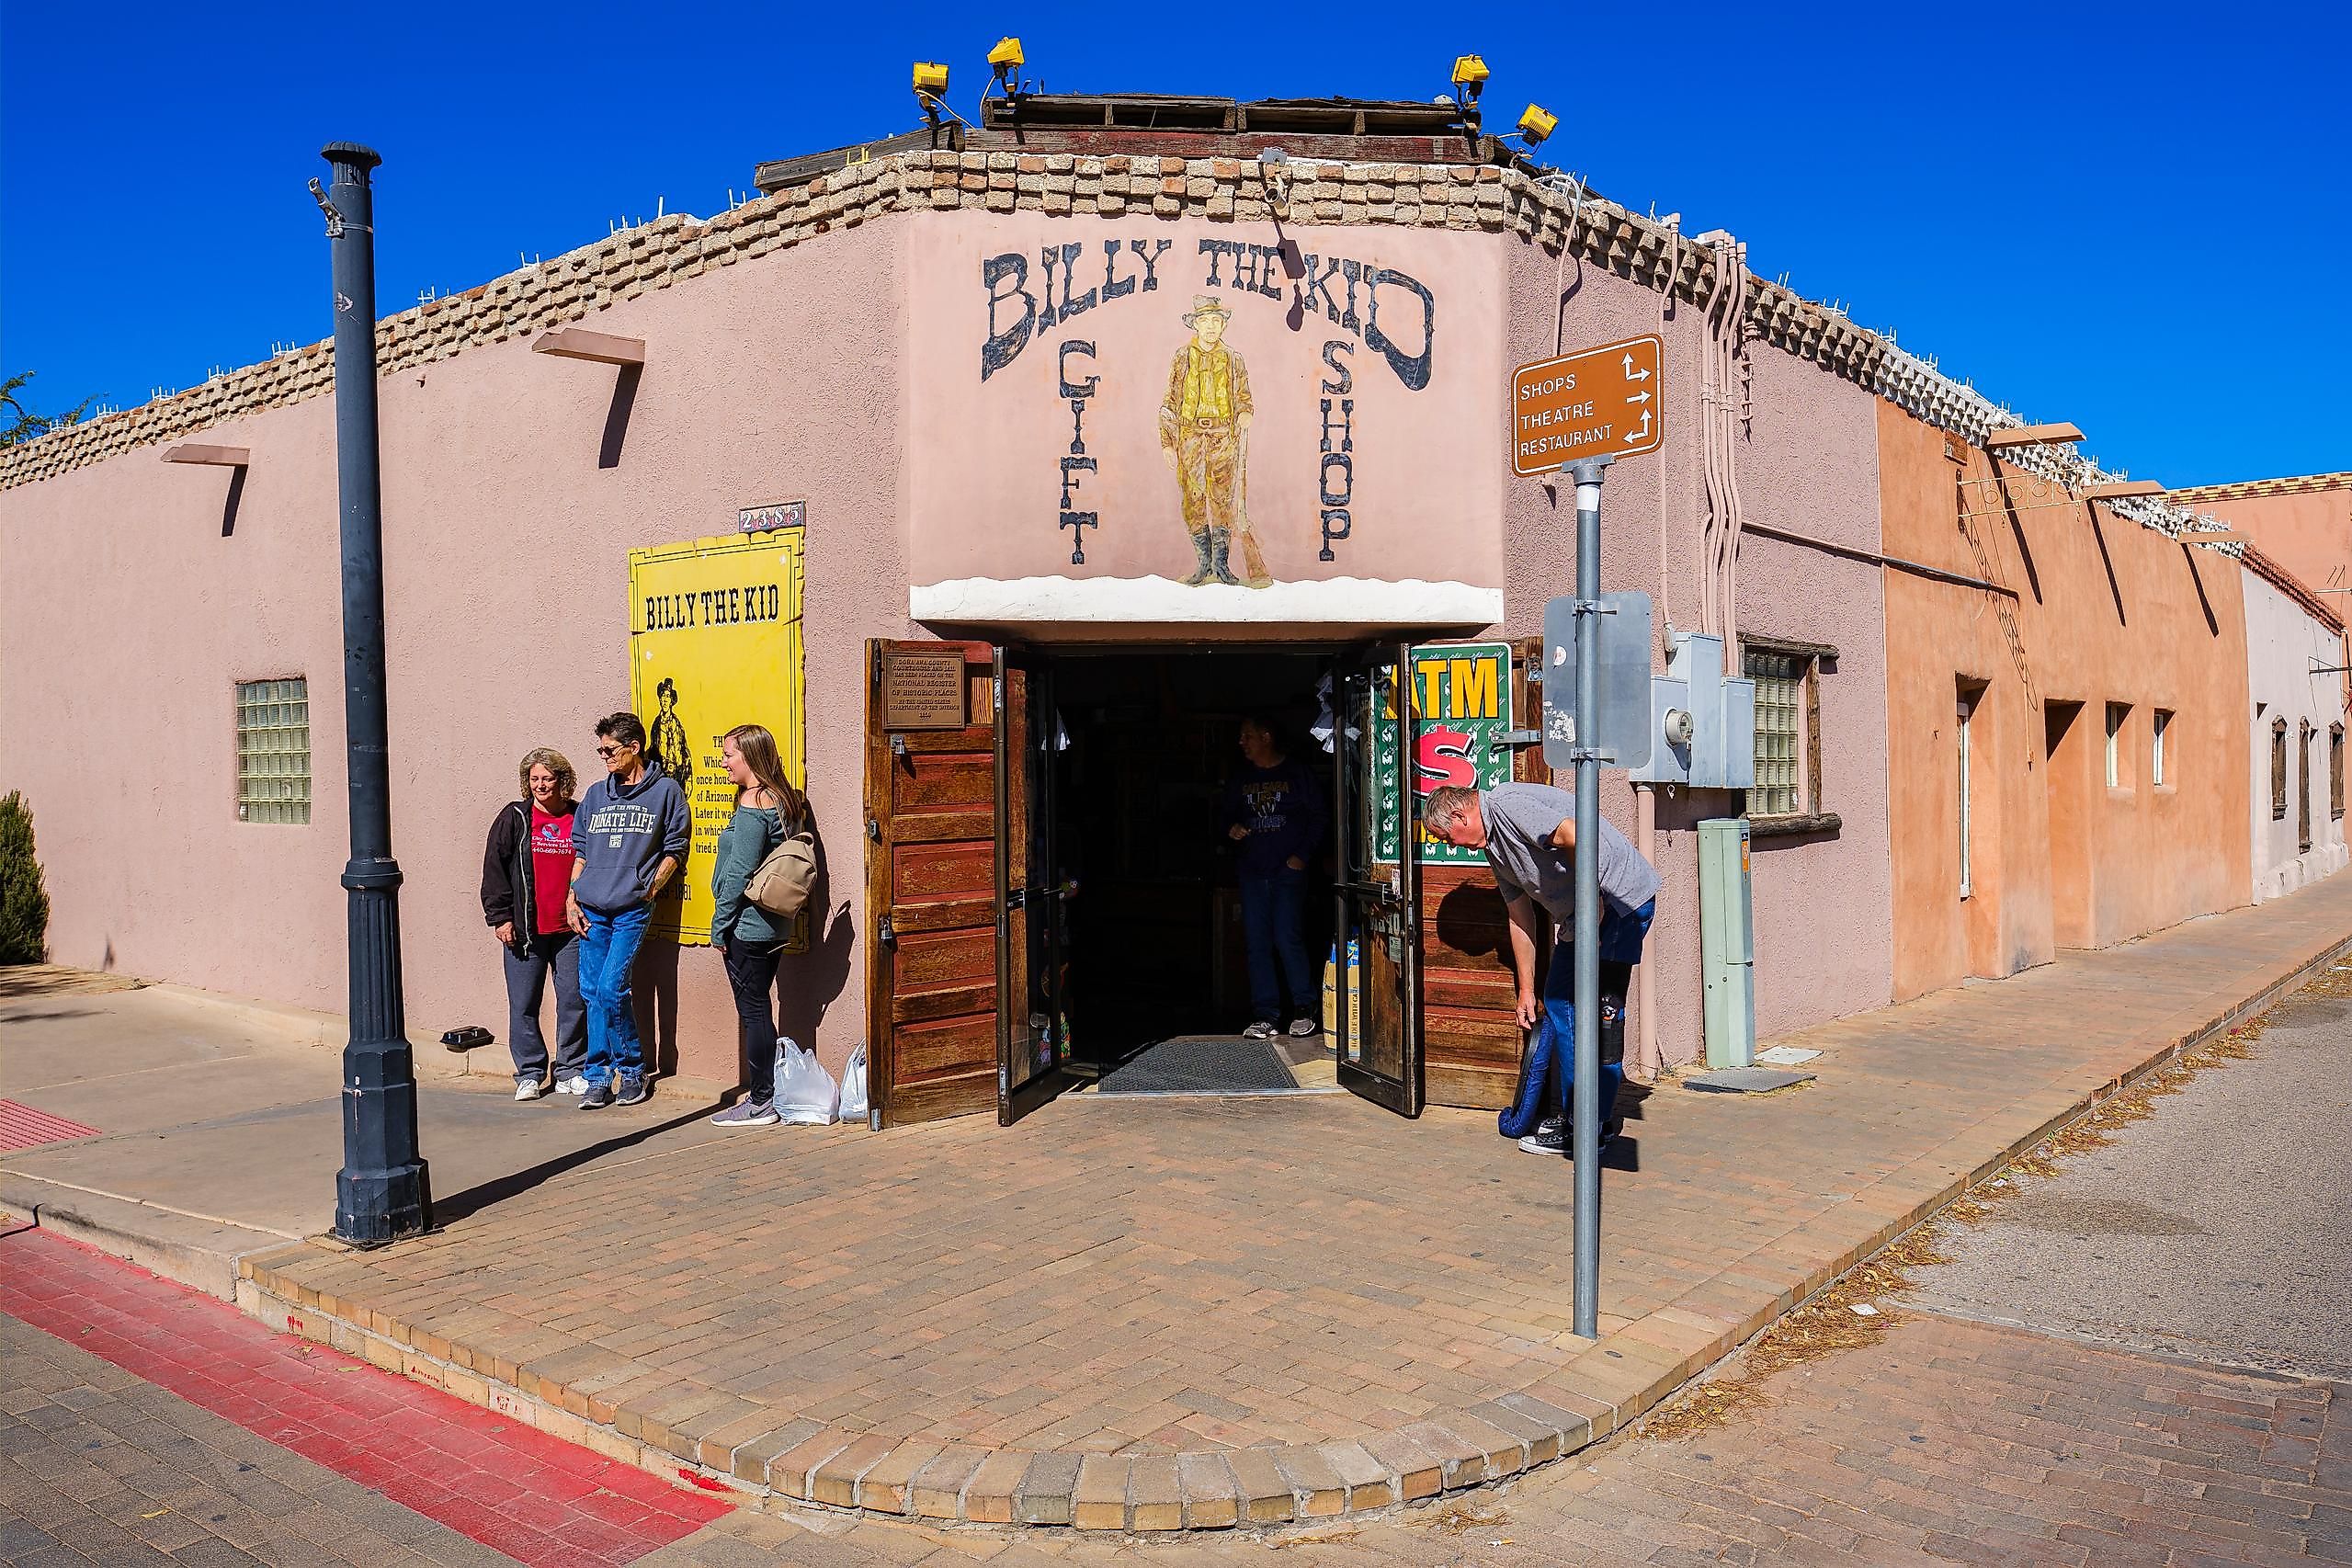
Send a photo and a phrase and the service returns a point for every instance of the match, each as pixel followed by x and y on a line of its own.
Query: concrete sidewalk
pixel 218 1123
pixel 1164 1314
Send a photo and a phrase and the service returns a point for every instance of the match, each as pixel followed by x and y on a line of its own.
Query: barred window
pixel 274 751
pixel 1788 717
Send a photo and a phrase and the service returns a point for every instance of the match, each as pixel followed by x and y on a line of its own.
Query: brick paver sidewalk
pixel 1165 1312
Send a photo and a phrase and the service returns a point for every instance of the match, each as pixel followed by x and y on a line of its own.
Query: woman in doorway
pixel 767 812
pixel 526 872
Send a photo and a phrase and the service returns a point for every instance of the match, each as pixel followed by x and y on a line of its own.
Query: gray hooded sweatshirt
pixel 621 834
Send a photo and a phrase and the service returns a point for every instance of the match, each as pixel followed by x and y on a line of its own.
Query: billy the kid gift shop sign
pixel 1150 421
pixel 714 643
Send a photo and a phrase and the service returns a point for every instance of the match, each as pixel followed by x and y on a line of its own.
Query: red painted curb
pixel 540 1500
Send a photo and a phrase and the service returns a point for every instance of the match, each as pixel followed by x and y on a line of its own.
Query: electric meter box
pixel 1727 942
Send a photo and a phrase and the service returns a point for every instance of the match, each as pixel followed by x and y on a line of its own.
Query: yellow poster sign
pixel 715 641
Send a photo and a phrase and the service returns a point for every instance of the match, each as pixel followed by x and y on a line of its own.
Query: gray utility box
pixel 1727 942
pixel 1704 720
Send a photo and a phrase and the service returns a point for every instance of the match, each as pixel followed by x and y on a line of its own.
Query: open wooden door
pixel 1377 1023
pixel 1032 940
pixel 1469 998
pixel 932 875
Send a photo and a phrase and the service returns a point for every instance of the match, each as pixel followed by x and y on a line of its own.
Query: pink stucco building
pixel 990 435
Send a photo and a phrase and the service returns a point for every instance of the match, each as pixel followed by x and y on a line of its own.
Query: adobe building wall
pixel 1808 463
pixel 2285 643
pixel 2097 610
pixel 2303 524
pixel 506 584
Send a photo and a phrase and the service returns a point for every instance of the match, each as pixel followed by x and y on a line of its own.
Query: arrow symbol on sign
pixel 1643 432
pixel 1631 374
pixel 1640 397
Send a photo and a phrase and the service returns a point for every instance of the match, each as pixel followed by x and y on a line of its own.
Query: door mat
pixel 1202 1064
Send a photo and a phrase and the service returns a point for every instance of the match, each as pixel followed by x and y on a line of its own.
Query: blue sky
pixel 2096 213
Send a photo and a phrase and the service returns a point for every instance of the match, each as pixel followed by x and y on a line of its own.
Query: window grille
pixel 2335 770
pixel 274 751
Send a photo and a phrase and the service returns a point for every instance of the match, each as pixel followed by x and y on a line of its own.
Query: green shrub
pixel 24 905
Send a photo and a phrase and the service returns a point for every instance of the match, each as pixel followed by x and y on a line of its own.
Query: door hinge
pixel 898 746
pixel 874 829
pixel 887 932
pixel 1510 738
pixel 1016 898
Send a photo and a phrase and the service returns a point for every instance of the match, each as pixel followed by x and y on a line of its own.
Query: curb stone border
pixel 706 1438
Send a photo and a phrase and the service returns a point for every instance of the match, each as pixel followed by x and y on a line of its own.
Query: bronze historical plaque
pixel 923 690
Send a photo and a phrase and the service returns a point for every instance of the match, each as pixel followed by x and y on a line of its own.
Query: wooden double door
pixel 968 912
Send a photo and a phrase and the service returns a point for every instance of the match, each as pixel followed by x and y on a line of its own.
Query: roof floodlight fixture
pixel 1468 80
pixel 930 85
pixel 1005 61
pixel 1274 170
pixel 1536 123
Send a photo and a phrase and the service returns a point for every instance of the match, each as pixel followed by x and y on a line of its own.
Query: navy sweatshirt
pixel 623 835
pixel 1282 807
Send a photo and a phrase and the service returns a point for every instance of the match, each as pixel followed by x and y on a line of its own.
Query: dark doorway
pixel 1146 744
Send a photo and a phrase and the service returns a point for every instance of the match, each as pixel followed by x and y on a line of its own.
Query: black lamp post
pixel 382 1193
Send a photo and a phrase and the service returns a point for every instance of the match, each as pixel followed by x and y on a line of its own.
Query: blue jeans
pixel 1277 949
pixel 1621 938
pixel 608 952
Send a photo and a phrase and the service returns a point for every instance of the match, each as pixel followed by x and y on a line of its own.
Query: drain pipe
pixel 1646 1061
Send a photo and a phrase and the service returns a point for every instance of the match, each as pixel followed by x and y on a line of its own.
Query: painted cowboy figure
pixel 1204 436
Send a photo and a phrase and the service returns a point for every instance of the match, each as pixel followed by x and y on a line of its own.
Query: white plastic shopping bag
pixel 853 1087
pixel 806 1095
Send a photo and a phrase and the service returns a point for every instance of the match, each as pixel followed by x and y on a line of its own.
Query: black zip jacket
pixel 507 892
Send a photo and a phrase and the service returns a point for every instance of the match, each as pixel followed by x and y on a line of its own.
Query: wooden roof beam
pixel 2031 435
pixel 578 343
pixel 2120 489
pixel 210 457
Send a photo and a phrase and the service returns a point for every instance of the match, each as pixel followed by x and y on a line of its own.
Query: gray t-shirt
pixel 1520 819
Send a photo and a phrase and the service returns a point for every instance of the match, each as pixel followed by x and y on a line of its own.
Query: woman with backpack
pixel 768 812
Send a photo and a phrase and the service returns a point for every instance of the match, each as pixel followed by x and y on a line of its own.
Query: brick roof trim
pixel 1550 210
pixel 2286 583
pixel 2253 489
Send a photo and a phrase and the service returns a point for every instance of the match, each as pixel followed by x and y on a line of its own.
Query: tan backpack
pixel 781 884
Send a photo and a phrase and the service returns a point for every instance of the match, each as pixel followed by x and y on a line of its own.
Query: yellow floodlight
pixel 1006 58
pixel 1469 72
pixel 1538 123
pixel 930 79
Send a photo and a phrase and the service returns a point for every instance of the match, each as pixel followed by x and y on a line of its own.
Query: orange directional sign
pixel 1594 402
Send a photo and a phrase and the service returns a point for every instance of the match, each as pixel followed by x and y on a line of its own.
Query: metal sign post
pixel 1585 1119
pixel 1584 411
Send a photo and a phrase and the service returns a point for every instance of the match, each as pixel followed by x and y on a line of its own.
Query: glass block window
pixel 1781 704
pixel 274 751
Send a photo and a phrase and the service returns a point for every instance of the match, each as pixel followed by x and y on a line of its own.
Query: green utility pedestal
pixel 1726 942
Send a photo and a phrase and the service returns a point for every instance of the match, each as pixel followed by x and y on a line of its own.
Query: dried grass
pixel 1463 1515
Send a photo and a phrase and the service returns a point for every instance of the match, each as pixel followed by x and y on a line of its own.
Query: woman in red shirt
pixel 526 871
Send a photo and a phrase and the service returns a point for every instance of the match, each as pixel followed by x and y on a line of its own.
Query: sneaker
pixel 749 1113
pixel 634 1092
pixel 530 1088
pixel 596 1097
pixel 576 1084
pixel 1259 1030
pixel 1550 1125
pixel 1551 1137
pixel 1302 1028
